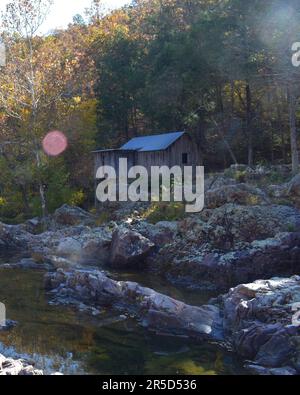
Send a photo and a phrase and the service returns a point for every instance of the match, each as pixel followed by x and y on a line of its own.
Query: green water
pixel 61 338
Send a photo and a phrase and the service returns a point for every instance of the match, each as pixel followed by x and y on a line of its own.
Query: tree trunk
pixel 249 124
pixel 25 201
pixel 41 189
pixel 222 129
pixel 280 127
pixel 293 129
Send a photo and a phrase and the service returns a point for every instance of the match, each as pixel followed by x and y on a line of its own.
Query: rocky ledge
pixel 217 248
pixel 153 310
pixel 200 269
pixel 17 367
pixel 261 320
pixel 231 245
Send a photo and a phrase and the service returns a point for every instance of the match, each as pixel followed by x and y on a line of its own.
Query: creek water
pixel 58 338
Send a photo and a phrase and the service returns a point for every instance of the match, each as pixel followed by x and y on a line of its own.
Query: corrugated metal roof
pixel 152 143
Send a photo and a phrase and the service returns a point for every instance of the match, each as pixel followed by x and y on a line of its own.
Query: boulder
pixel 227 226
pixel 160 234
pixel 153 310
pixel 261 320
pixel 78 244
pixel 129 248
pixel 14 237
pixel 59 262
pixel 223 247
pixel 96 247
pixel 19 367
pixel 240 194
pixel 187 265
pixel 69 248
pixel 70 216
pixel 54 281
pixel 255 222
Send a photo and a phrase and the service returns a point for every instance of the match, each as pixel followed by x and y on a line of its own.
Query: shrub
pixel 77 198
pixel 240 176
pixel 2 202
pixel 163 211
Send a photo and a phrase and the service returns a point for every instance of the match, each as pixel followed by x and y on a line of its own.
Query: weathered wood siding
pixel 111 158
pixel 173 156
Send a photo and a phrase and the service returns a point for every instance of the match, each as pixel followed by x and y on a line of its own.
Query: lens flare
pixel 55 143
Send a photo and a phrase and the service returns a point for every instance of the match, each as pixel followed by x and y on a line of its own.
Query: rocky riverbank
pixel 248 233
pixel 19 367
pixel 261 320
pixel 258 320
pixel 216 249
pixel 242 235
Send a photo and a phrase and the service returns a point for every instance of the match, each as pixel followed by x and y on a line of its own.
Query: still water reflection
pixel 59 338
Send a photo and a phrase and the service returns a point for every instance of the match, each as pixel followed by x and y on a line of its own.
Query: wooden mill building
pixel 169 149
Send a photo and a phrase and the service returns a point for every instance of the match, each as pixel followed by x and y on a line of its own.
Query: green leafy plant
pixel 240 176
pixel 77 198
pixel 162 211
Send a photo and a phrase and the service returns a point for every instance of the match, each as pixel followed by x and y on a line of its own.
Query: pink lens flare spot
pixel 55 143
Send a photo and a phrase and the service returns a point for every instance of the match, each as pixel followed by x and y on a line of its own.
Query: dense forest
pixel 220 69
